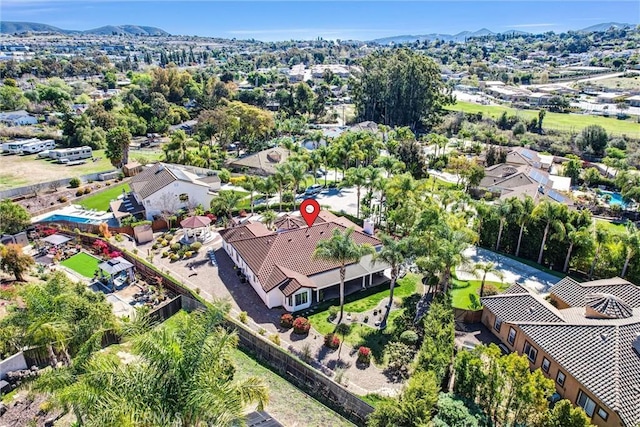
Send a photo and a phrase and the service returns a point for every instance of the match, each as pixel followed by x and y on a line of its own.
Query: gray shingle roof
pixel 516 288
pixel 600 357
pixel 521 307
pixel 608 305
pixel 574 293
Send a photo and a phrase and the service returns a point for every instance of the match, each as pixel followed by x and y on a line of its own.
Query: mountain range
pixel 462 36
pixel 33 27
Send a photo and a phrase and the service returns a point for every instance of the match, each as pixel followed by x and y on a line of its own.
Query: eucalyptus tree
pixel 341 249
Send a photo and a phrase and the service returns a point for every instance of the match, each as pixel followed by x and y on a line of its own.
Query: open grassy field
pixel 619 83
pixel 563 122
pixel 82 263
pixel 101 200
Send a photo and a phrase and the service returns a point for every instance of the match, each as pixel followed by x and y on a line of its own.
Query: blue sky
pixel 363 20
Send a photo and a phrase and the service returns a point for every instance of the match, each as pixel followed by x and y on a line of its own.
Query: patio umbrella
pixel 195 222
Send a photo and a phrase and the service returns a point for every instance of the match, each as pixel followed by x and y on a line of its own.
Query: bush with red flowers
pixel 332 341
pixel 364 355
pixel 286 320
pixel 301 326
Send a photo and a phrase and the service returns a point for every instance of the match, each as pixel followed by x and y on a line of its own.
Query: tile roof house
pixel 280 265
pixel 261 163
pixel 168 188
pixel 587 339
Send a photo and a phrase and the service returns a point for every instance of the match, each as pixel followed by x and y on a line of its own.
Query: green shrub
pixel 409 337
pixel 364 355
pixel 165 254
pixel 286 320
pixel 79 193
pixel 87 190
pixel 119 238
pixel 489 289
pixel 195 246
pixel 188 254
pixel 175 246
pixel 287 197
pixel 243 317
pixel 332 340
pixel 74 182
pixel 164 243
pixel 275 338
pixel 62 199
pixel 333 312
pixel 224 175
pixel 262 331
pixel 174 257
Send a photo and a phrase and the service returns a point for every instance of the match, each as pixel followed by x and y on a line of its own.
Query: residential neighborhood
pixel 292 215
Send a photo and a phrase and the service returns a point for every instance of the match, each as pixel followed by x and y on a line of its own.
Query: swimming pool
pixel 59 217
pixel 616 198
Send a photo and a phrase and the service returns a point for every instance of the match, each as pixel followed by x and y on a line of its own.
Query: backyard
pixel 100 201
pixel 559 121
pixel 465 294
pixel 83 264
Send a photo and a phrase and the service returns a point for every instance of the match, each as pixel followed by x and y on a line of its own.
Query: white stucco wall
pixel 168 198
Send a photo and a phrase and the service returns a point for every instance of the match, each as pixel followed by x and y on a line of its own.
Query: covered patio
pixel 196 229
pixel 116 273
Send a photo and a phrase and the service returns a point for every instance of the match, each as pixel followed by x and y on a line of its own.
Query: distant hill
pixel 33 27
pixel 460 37
pixel 605 26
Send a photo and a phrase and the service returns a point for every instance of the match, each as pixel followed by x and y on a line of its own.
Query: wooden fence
pixel 467 316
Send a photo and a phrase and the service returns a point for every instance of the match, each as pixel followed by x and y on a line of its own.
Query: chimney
pixel 368 227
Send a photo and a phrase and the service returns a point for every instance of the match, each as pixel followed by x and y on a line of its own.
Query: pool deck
pixel 77 211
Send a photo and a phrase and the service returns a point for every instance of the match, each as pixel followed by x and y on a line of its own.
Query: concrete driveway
pixel 338 199
pixel 513 271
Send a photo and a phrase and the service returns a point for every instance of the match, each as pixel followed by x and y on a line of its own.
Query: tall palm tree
pixel 268 187
pixel 225 202
pixel 298 173
pixel 394 252
pixel 487 268
pixel 523 210
pixel 341 249
pixel 182 375
pixel 484 214
pixel 324 155
pixel 549 213
pixel 601 237
pixel 631 241
pixel 357 177
pixel 251 184
pixel 576 236
pixel 503 208
pixel 282 178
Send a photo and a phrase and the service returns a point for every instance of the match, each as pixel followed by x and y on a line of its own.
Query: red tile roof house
pixel 280 265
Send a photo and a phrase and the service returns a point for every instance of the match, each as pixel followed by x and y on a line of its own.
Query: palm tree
pixel 182 375
pixel 550 213
pixel 251 184
pixel 341 249
pixel 394 252
pixel 269 187
pixel 52 335
pixel 601 237
pixel 631 241
pixel 503 208
pixel 484 213
pixel 282 180
pixel 268 217
pixel 487 268
pixel 298 172
pixel 324 156
pixel 523 210
pixel 225 203
pixel 577 236
pixel 358 177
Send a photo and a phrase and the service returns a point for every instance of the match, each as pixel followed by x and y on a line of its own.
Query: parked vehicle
pixel 66 155
pixel 38 146
pixel 313 190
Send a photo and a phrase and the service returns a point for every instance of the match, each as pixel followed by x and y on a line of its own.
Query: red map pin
pixel 309 209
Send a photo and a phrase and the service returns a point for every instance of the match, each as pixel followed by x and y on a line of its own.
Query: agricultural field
pixel 563 122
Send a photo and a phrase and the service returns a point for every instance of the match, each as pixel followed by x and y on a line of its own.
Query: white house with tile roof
pixel 168 188
pixel 587 339
pixel 280 265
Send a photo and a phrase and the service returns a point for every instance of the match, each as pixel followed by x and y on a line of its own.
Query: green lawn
pixel 82 263
pixel 612 228
pixel 101 200
pixel 559 121
pixel 462 291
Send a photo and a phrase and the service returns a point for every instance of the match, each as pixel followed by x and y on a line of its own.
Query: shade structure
pixel 115 265
pixel 56 239
pixel 195 222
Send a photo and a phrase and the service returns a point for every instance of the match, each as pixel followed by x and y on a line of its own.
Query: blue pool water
pixel 616 198
pixel 58 217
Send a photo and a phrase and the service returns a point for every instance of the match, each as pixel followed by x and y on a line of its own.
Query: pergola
pixel 119 270
pixel 56 239
pixel 196 228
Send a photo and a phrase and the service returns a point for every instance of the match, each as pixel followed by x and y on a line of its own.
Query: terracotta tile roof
pixel 293 281
pixel 289 222
pixel 245 231
pixel 574 293
pixel 292 249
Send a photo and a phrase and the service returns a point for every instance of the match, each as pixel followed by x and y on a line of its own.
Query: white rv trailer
pixel 15 147
pixel 38 146
pixel 65 155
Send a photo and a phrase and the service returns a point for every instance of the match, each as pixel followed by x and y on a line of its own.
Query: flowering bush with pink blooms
pixel 286 320
pixel 364 355
pixel 301 326
pixel 332 341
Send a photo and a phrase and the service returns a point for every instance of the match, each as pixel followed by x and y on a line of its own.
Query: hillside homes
pixel 280 265
pixel 586 338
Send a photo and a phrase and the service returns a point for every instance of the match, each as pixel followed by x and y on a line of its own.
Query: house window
pixel 289 301
pixel 586 403
pixel 603 414
pixel 530 351
pixel 302 298
pixel 184 197
pixel 545 364
pixel 497 324
pixel 560 378
pixel 512 336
